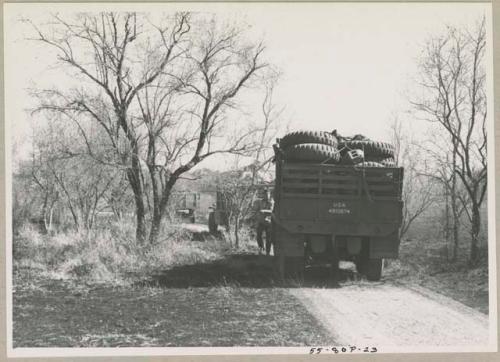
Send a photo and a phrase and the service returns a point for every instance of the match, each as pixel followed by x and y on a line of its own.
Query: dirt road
pixel 237 302
pixel 387 315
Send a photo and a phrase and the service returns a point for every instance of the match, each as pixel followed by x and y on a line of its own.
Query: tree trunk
pixel 237 232
pixel 159 208
pixel 454 209
pixel 447 218
pixel 140 233
pixel 51 214
pixel 475 227
pixel 44 212
pixel 454 204
pixel 74 214
pixel 155 227
pixel 134 177
pixel 456 237
pixel 157 215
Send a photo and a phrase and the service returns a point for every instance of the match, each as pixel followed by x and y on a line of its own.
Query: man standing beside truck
pixel 263 208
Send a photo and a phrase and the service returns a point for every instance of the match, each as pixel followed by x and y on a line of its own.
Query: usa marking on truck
pixel 339 208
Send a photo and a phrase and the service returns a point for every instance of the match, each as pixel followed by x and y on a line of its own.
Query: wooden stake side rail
pixel 341 181
pixel 352 186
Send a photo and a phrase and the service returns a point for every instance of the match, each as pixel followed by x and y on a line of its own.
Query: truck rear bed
pixel 338 200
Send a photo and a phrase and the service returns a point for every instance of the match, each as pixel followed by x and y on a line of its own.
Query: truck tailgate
pixel 338 210
pixel 326 197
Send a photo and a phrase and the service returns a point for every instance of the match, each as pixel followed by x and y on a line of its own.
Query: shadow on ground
pixel 244 270
pixel 205 235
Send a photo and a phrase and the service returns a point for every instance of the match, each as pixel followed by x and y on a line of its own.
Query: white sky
pixel 345 66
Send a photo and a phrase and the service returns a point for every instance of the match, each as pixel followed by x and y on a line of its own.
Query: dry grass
pixel 427 263
pixel 181 292
pixel 110 255
pixel 425 259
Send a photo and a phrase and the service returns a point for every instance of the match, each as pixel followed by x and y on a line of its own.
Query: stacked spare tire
pixel 331 148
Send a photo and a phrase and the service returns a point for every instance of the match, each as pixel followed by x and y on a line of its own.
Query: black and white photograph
pixel 249 178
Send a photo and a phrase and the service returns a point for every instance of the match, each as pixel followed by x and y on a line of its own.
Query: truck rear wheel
pixel 334 267
pixel 360 265
pixel 290 267
pixel 374 269
pixel 370 267
pixel 294 268
pixel 287 267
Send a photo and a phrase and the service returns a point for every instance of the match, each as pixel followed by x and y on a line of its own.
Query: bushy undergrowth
pixel 111 254
pixel 428 263
pixel 432 257
pixel 247 239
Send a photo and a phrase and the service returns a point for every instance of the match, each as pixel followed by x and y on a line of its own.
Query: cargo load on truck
pixel 335 198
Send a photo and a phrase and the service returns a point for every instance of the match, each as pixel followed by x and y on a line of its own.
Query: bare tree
pixel 217 67
pixel 34 196
pixel 418 190
pixel 119 199
pixel 67 175
pixel 454 98
pixel 101 50
pixel 241 186
pixel 442 160
pixel 47 189
pixel 159 92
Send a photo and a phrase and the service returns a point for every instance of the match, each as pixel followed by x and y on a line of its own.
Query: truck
pixel 218 214
pixel 192 206
pixel 325 212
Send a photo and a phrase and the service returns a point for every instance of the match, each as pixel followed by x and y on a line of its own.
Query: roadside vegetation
pixel 456 280
pixel 110 255
pixel 444 233
pixel 426 259
pixel 193 289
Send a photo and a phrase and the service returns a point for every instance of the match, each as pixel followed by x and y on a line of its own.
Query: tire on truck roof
pixel 385 161
pixel 371 148
pixel 312 152
pixel 302 137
